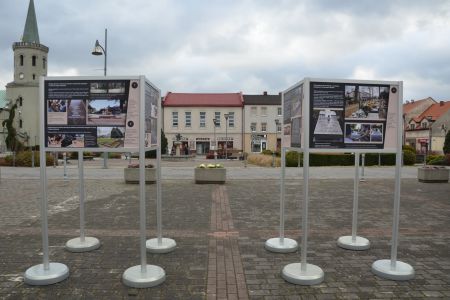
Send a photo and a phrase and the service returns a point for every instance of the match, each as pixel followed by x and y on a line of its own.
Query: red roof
pixel 205 100
pixel 435 111
pixel 407 107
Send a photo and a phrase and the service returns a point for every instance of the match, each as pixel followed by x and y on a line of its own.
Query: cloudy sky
pixel 242 45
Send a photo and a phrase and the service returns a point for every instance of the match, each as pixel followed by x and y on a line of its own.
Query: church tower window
pixel 33 61
pixel 21 60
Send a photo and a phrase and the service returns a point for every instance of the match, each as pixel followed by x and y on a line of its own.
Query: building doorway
pixel 202 148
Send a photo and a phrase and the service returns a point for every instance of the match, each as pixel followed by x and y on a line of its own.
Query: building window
pixel 424 125
pixel 264 127
pixel 253 127
pixel 278 127
pixel 174 119
pixel 202 119
pixel 279 110
pixel 21 60
pixel 217 117
pixel 34 76
pixel 20 123
pixel 187 117
pixel 20 101
pixel 44 63
pixel 253 111
pixel 231 119
pixel 33 60
pixel 264 111
pixel 412 126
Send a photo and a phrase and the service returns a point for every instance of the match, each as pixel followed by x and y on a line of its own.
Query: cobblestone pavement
pixel 220 231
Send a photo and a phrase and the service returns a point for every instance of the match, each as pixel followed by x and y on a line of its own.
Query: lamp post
pixel 226 135
pixel 99 50
pixel 276 141
pixel 430 121
pixel 215 141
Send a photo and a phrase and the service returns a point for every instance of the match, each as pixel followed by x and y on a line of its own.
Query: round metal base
pixel 312 275
pixel 76 245
pixel 275 245
pixel 167 245
pixel 133 277
pixel 362 180
pixel 37 275
pixel 402 271
pixel 347 242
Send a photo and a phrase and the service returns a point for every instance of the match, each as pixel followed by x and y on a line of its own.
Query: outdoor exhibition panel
pixel 336 116
pixel 98 114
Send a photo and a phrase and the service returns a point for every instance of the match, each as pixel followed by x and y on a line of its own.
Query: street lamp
pixel 276 141
pixel 430 121
pixel 226 135
pixel 215 141
pixel 99 50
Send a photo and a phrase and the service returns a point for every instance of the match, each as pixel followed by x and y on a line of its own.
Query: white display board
pixel 99 113
pixel 342 115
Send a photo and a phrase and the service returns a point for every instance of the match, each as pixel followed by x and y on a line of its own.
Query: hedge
pixel 347 159
pixel 23 159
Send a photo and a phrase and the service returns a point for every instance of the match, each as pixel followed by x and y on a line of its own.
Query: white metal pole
pixel 363 162
pixel 82 194
pixel 282 193
pixel 142 209
pixel 304 249
pixel 158 188
pixel 44 204
pixel 65 165
pixel 355 197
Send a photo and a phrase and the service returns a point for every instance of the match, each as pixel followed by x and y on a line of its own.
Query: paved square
pixel 220 231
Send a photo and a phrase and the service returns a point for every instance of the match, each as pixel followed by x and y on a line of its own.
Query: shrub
pixel 23 159
pixel 263 160
pixel 446 147
pixel 267 152
pixel 409 148
pixel 433 157
pixel 114 155
pixel 292 159
pixel 409 158
pixel 439 160
pixel 150 154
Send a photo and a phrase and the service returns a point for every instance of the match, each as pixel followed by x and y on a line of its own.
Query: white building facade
pixel 204 121
pixel 262 123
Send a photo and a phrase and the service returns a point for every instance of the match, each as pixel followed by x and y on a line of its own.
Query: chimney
pixel 441 103
pixel 265 93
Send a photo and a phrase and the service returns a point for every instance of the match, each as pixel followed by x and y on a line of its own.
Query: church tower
pixel 30 62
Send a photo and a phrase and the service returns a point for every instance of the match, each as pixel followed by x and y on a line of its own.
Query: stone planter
pixel 210 175
pixel 433 174
pixel 131 175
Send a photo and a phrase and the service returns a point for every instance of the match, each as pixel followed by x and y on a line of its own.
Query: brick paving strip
pixel 226 279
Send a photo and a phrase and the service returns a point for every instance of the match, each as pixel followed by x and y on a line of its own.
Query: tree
pixel 446 148
pixel 163 143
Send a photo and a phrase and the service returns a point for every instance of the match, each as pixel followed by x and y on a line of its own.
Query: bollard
pixel 65 165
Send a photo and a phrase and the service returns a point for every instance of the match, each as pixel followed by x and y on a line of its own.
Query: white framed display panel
pixel 307 274
pixel 140 276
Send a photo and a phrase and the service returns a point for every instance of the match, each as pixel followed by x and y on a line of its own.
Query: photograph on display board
pixel 110 137
pixel 328 125
pixel 66 140
pixel 292 106
pixel 296 132
pixel 363 133
pixel 106 112
pixel 370 102
pixel 76 112
pixel 108 87
pixel 57 112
